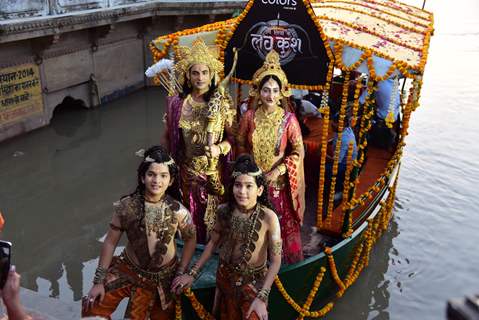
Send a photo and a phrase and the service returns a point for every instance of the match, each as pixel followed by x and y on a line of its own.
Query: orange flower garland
pixel 197 306
pixel 359 261
pixel 178 311
pixel 302 312
pixel 322 180
pixel 342 115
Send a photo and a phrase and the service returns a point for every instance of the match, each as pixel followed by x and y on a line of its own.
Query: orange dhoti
pixel 236 292
pixel 149 293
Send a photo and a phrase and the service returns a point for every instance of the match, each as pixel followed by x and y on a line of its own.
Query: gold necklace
pixel 265 137
pixel 193 103
pixel 154 217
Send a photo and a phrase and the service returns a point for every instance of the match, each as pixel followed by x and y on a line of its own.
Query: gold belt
pixel 244 275
pixel 166 271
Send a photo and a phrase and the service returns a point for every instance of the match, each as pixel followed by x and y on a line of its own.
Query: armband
pixel 100 275
pixel 281 169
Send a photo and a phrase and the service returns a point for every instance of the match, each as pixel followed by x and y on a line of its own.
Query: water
pixel 58 184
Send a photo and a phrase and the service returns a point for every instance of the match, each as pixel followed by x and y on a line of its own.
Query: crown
pixel 199 53
pixel 236 174
pixel 271 67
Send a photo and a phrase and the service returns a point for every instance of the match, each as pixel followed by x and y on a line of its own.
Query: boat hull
pixel 344 261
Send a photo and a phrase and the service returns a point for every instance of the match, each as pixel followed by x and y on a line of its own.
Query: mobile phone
pixel 5 252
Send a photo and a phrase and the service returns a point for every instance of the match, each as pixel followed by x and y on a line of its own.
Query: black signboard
pixel 285 26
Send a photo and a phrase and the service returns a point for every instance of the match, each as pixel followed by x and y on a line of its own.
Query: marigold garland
pixel 334 270
pixel 178 311
pixel 197 306
pixel 370 14
pixel 302 312
pixel 342 115
pixel 357 92
pixel 322 179
pixel 359 261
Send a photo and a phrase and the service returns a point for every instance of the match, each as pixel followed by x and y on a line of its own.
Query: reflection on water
pixel 58 184
pixel 369 296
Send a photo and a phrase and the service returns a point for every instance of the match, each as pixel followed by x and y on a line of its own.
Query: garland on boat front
pixel 374 230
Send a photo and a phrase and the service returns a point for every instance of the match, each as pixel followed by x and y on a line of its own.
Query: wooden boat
pixel 380 39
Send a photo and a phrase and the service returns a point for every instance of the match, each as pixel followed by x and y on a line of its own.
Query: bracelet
pixel 180 272
pixel 194 272
pixel 100 275
pixel 263 295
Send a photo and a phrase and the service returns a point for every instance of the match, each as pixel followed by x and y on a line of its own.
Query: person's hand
pixel 11 290
pixel 272 176
pixel 11 296
pixel 212 151
pixel 96 295
pixel 181 282
pixel 259 307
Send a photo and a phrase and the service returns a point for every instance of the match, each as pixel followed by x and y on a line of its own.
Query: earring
pixel 188 83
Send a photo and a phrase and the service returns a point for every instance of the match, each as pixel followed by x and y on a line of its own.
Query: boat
pixel 365 41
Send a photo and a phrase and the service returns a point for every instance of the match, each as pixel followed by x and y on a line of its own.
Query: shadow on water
pixel 59 183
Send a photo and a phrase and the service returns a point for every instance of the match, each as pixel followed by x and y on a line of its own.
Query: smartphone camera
pixel 5 251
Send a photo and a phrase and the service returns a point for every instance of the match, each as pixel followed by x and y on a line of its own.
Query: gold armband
pixel 281 169
pixel 225 147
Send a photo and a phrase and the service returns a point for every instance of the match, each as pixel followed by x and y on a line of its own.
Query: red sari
pixel 275 141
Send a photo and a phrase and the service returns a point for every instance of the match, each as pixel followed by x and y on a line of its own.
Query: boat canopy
pixel 377 37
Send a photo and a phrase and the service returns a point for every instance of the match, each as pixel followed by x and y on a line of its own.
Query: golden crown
pixel 271 67
pixel 199 53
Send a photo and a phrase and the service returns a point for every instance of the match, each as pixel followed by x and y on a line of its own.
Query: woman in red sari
pixel 273 136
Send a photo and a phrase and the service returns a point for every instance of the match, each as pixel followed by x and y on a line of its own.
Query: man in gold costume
pixel 198 119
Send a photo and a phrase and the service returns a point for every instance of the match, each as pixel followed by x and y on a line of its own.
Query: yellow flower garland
pixel 342 115
pixel 178 311
pixel 197 306
pixel 324 144
pixel 359 261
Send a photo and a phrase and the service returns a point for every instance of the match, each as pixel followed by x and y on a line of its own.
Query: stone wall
pixel 14 9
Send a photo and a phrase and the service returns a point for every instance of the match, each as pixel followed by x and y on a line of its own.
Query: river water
pixel 57 185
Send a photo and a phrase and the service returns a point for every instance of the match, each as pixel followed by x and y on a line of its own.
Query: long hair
pixel 159 155
pixel 244 165
pixel 186 90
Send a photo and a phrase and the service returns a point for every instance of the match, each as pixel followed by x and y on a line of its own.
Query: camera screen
pixel 4 264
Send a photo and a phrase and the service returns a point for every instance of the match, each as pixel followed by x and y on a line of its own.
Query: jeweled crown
pixel 199 53
pixel 271 67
